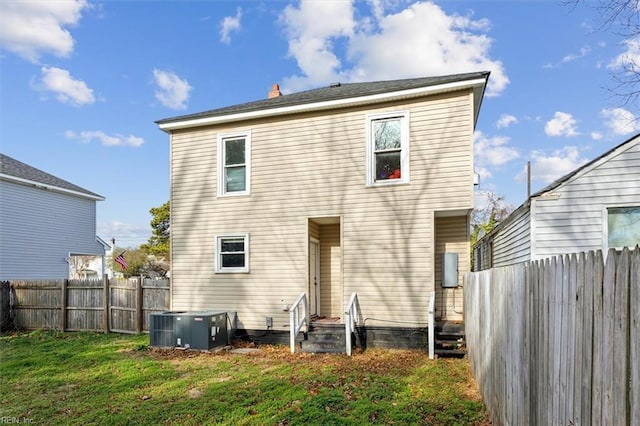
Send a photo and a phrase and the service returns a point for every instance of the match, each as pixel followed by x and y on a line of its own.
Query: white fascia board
pixel 318 106
pixel 50 187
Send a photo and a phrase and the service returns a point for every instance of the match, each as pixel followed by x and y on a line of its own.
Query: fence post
pixel 105 304
pixel 5 305
pixel 63 306
pixel 139 311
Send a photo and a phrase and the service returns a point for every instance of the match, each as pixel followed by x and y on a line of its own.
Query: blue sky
pixel 82 82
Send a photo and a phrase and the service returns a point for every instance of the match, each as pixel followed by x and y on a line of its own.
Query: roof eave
pixel 53 188
pixel 478 85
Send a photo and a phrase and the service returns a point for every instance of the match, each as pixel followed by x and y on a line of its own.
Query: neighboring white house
pixel 44 222
pixel 595 207
pixel 350 188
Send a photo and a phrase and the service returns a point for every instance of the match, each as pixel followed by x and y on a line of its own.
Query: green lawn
pixel 90 378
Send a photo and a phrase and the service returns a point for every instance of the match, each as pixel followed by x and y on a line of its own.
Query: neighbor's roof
pixel 333 96
pixel 17 171
pixel 590 165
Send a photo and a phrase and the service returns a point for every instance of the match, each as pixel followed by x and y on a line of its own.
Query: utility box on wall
pixel 450 270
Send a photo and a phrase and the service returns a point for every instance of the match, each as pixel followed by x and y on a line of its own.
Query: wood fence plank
pixel 598 347
pixel 578 278
pixel 569 336
pixel 620 352
pixel 592 263
pixel 634 339
pixel 608 307
pixel 556 348
pixel 547 344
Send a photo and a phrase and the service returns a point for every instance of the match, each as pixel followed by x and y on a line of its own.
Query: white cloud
pixel 629 60
pixel 620 121
pixel 230 24
pixel 420 40
pixel 88 136
pixel 312 29
pixel 32 28
pixel 67 89
pixel 492 151
pixel 171 91
pixel 562 124
pixel 549 167
pixel 584 51
pixel 596 136
pixel 505 121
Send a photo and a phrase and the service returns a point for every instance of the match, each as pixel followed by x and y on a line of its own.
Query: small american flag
pixel 120 259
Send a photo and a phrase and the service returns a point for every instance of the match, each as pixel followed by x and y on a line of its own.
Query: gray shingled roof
pixel 331 93
pixel 17 169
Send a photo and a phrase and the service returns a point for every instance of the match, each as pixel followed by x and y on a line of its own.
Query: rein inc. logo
pixel 15 420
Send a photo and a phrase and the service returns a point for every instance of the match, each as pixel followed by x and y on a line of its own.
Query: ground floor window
pixel 623 226
pixel 232 253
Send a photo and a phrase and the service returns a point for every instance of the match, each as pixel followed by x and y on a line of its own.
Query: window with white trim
pixel 388 148
pixel 232 253
pixel 623 226
pixel 234 163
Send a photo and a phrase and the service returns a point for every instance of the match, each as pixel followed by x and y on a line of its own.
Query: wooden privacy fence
pixel 557 342
pixel 82 305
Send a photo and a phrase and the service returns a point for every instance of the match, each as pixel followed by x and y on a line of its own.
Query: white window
pixel 232 253
pixel 623 227
pixel 234 163
pixel 388 148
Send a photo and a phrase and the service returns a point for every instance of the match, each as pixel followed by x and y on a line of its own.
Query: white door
pixel 314 278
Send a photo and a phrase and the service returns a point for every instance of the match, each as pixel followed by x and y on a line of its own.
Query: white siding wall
pixel 38 230
pixel 572 219
pixel 513 243
pixel 314 166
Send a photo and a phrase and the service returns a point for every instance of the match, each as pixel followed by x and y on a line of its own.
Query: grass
pixel 90 378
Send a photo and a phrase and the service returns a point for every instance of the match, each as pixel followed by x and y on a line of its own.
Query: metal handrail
pixel 351 319
pixel 297 319
pixel 431 318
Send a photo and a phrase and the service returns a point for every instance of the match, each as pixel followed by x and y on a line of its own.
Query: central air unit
pixel 191 330
pixel 162 329
pixel 201 330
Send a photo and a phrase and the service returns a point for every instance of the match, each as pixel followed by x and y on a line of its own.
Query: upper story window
pixel 623 227
pixel 388 148
pixel 234 163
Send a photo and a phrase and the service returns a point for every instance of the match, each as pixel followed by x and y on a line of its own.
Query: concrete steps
pixel 324 338
pixel 450 340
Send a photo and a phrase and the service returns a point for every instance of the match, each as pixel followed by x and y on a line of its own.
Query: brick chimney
pixel 275 91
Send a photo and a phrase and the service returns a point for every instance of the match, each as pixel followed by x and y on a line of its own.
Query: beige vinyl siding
pixel 572 218
pixel 452 236
pixel 308 166
pixel 331 295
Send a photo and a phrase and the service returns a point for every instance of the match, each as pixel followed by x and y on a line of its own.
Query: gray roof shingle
pixel 17 169
pixel 330 93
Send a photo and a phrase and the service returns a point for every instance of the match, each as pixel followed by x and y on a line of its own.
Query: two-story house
pixel 352 188
pixel 45 222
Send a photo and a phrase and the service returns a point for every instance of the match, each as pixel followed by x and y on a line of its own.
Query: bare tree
pixel 622 17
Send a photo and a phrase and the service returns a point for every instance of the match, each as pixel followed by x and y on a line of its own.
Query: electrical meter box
pixel 201 330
